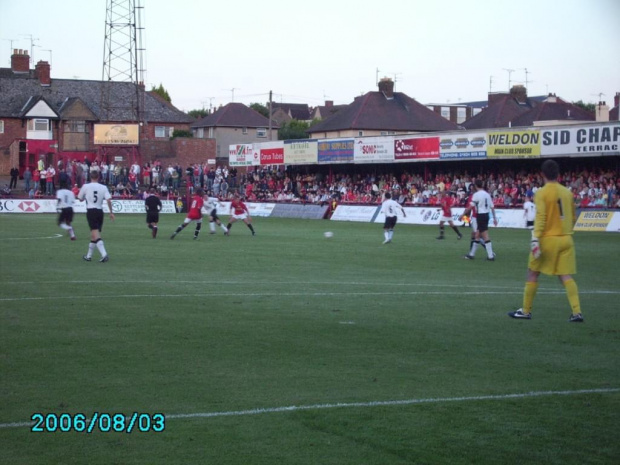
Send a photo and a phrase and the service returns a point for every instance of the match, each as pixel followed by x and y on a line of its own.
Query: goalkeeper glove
pixel 535 248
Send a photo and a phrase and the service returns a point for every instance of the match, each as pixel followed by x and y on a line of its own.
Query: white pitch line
pixel 55 236
pixel 290 294
pixel 380 403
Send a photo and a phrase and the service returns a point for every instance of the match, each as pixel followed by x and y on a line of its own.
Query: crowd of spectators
pixel 509 188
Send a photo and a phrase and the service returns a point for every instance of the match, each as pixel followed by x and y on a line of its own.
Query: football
pixel 328 234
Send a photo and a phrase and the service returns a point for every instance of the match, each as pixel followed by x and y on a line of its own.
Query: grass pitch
pixel 290 318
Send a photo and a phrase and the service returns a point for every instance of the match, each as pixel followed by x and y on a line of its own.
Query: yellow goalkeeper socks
pixel 573 295
pixel 528 296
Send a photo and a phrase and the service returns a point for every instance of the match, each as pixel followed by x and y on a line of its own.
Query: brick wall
pixel 8 158
pixel 189 150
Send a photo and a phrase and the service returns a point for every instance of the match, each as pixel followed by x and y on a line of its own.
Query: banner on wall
pixel 374 150
pixel 514 144
pixel 49 206
pixel 463 146
pixel 240 155
pixel 336 151
pixel 301 152
pixel 593 221
pixel 270 153
pixel 601 139
pixel 419 148
pixel 117 134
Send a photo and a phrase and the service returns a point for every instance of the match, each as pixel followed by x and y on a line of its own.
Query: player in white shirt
pixel 529 212
pixel 66 199
pixel 210 208
pixel 483 203
pixel 94 194
pixel 390 209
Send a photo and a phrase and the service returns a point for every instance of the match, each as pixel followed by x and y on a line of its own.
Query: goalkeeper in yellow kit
pixel 552 248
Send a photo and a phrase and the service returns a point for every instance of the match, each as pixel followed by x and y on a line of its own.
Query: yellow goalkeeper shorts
pixel 557 256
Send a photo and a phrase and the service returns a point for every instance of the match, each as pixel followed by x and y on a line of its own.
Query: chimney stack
pixel 495 97
pixel 602 112
pixel 330 103
pixel 20 61
pixel 42 73
pixel 519 93
pixel 617 99
pixel 386 85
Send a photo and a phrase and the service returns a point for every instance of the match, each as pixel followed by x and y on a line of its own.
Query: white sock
pixel 101 248
pixel 212 226
pixel 489 248
pixel 65 226
pixel 71 233
pixel 387 235
pixel 91 249
pixel 474 246
pixel 391 233
pixel 223 228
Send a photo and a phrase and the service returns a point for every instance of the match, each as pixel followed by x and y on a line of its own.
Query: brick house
pixel 234 123
pixel 378 113
pixel 54 119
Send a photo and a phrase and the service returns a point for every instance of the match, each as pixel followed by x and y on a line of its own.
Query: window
pixel 1 127
pixel 476 111
pixel 38 125
pixel 261 132
pixel 360 133
pixel 461 114
pixel 244 131
pixel 75 126
pixel 445 112
pixel 200 133
pixel 163 131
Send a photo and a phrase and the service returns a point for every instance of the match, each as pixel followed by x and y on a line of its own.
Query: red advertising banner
pixel 421 148
pixel 273 156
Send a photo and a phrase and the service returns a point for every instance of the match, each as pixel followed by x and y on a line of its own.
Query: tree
pixel 199 113
pixel 163 93
pixel 260 108
pixel 294 129
pixel 591 107
pixel 181 133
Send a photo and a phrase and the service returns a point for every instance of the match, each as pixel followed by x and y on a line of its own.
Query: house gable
pixel 40 109
pixel 75 109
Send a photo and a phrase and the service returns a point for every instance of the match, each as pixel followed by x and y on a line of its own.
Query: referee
pixel 153 206
pixel 94 194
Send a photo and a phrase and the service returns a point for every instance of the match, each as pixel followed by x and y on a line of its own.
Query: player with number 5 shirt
pixel 94 194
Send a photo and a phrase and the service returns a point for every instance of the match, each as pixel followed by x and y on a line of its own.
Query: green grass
pixel 291 318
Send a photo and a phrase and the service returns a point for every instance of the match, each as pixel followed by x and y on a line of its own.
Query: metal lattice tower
pixel 123 61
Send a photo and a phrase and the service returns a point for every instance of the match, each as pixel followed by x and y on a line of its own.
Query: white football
pixel 328 234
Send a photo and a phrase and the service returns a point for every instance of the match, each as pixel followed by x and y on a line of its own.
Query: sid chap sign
pixel 582 140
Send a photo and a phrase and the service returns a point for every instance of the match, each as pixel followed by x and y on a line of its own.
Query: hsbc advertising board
pixel 49 206
pixel 373 150
pixel 419 148
pixel 468 146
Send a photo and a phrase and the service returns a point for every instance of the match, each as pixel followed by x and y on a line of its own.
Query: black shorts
pixel 390 222
pixel 152 217
pixel 530 224
pixel 483 222
pixel 95 218
pixel 213 215
pixel 66 215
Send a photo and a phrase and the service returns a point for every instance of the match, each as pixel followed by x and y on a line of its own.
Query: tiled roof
pixel 299 111
pixel 551 111
pixel 326 111
pixel 373 111
pixel 17 89
pixel 485 103
pixel 234 115
pixel 505 109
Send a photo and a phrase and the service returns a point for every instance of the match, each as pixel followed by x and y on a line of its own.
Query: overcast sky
pixel 438 50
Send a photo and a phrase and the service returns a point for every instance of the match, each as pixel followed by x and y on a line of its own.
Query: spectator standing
pixel 14 175
pixel 27 179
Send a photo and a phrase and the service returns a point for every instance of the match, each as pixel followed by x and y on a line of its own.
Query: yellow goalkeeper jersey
pixel 555 211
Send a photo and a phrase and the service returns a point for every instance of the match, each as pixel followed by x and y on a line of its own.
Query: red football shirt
pixel 446 206
pixel 238 207
pixel 195 208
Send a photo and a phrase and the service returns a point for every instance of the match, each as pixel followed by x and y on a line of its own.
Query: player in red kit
pixel 446 202
pixel 194 214
pixel 239 211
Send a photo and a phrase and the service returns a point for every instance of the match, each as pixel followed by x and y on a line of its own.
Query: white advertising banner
pixel 594 139
pixel 373 150
pixel 256 209
pixel 431 216
pixel 363 214
pixel 49 206
pixel 463 146
pixel 240 155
